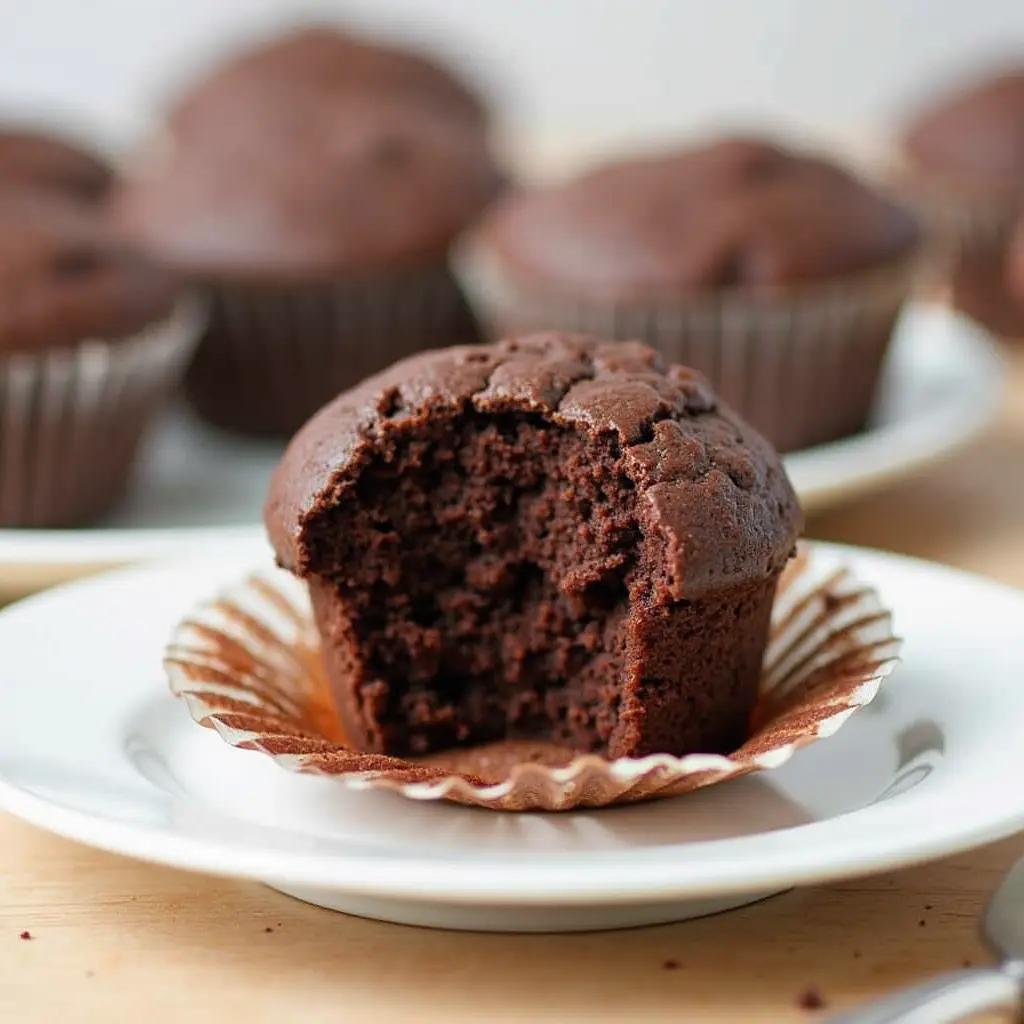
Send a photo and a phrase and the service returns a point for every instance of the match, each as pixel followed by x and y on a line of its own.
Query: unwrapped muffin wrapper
pixel 71 418
pixel 802 365
pixel 273 355
pixel 247 664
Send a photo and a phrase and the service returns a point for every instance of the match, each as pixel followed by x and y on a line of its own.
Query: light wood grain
pixel 115 940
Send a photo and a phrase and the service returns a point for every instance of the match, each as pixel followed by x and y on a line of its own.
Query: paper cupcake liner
pixel 802 367
pixel 247 664
pixel 272 356
pixel 71 419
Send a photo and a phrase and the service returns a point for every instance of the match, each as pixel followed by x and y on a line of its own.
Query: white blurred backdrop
pixel 612 67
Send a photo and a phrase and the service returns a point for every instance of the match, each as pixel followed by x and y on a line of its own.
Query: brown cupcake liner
pixel 247 664
pixel 71 419
pixel 802 367
pixel 272 356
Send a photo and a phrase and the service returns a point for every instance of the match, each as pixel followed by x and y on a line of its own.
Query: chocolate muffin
pixel 322 239
pixel 964 159
pixel 549 538
pixel 320 58
pixel 89 346
pixel 776 274
pixel 30 158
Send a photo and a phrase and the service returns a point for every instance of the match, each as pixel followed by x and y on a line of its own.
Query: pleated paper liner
pixel 247 664
pixel 71 419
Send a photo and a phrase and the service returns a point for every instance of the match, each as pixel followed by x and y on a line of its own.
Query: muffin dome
pixel 739 213
pixel 64 277
pixel 552 537
pixel 974 138
pixel 319 58
pixel 339 185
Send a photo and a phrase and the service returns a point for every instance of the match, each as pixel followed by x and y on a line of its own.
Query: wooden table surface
pixel 114 940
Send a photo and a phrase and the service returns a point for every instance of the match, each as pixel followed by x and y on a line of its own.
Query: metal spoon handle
pixel 947 998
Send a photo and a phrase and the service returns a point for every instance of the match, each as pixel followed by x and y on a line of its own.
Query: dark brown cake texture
pixel 87 353
pixel 552 537
pixel 729 257
pixel 319 217
pixel 965 156
pixel 37 159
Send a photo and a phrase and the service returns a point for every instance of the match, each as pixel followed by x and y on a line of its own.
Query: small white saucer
pixel 93 747
pixel 198 487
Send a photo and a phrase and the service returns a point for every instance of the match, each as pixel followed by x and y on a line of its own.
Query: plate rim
pixel 560 878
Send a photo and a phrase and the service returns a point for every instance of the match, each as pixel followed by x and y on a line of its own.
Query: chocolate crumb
pixel 856 954
pixel 670 965
pixel 811 999
pixel 26 935
pixel 268 929
pixel 968 963
pixel 928 906
pixel 921 923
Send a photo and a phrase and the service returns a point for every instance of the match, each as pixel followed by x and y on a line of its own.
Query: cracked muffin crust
pixel 553 537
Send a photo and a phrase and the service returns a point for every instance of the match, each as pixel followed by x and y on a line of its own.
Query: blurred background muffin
pixel 90 346
pixel 964 160
pixel 776 274
pixel 33 157
pixel 313 188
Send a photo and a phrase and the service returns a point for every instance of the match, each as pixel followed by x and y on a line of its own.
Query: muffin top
pixel 354 184
pixel 974 139
pixel 710 486
pixel 64 278
pixel 738 213
pixel 319 58
pixel 36 159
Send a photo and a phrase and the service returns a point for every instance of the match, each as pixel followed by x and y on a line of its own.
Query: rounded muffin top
pixel 356 184
pixel 360 185
pixel 37 159
pixel 64 278
pixel 319 58
pixel 738 213
pixel 975 137
pixel 711 487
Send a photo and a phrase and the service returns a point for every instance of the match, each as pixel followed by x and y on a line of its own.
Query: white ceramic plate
pixel 93 747
pixel 199 487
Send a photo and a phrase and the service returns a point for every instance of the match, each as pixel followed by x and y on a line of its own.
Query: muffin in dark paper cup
pixel 962 161
pixel 319 222
pixel 777 275
pixel 92 340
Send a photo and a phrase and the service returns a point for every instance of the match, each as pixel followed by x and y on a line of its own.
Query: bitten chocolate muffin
pixel 965 163
pixel 776 274
pixel 319 58
pixel 552 537
pixel 37 159
pixel 322 239
pixel 88 348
